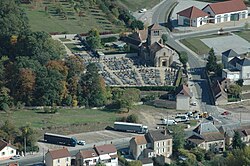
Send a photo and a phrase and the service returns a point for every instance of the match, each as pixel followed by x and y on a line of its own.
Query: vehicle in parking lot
pixel 225 113
pixel 142 10
pixel 168 122
pixel 210 118
pixel 15 157
pixel 181 118
pixel 194 103
pixel 81 142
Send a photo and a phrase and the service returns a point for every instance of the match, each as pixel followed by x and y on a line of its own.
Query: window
pixel 141 146
pixel 12 151
pixel 163 150
pixel 168 142
pixel 168 149
pixel 158 144
pixel 226 17
pixel 3 153
pixel 58 161
pixel 156 33
pixel 67 159
pixel 94 160
pixel 248 75
pixel 163 143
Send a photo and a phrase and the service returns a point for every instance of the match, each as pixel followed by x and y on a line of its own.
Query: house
pixel 236 67
pixel 150 47
pixel 230 129
pixel 232 10
pixel 219 94
pixel 57 157
pixel 183 96
pixel 106 154
pixel 153 144
pixel 192 17
pixel 6 150
pixel 208 137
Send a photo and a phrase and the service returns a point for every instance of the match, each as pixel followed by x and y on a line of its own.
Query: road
pixel 35 160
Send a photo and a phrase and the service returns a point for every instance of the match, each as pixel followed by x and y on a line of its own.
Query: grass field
pixel 72 47
pixel 50 21
pixel 244 34
pixel 65 120
pixel 139 4
pixel 196 45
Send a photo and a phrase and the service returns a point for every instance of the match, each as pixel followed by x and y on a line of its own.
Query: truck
pixel 130 127
pixel 60 139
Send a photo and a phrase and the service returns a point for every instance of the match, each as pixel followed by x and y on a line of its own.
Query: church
pixel 150 46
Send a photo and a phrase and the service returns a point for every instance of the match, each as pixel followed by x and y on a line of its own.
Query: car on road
pixel 194 103
pixel 81 142
pixel 15 157
pixel 225 113
pixel 210 118
pixel 142 10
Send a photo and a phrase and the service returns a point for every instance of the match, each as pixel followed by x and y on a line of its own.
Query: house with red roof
pixel 57 157
pixel 232 10
pixel 6 150
pixel 192 17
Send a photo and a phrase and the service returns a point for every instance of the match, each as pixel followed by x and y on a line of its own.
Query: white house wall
pixel 182 102
pixel 235 76
pixel 7 153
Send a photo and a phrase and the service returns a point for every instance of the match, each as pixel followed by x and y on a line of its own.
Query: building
pixel 219 93
pixel 106 154
pixel 208 137
pixel 236 67
pixel 57 157
pixel 6 150
pixel 183 96
pixel 192 17
pixel 153 144
pixel 150 47
pixel 232 10
pixel 229 131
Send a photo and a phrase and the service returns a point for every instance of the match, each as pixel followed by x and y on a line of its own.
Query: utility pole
pixel 24 145
pixel 167 119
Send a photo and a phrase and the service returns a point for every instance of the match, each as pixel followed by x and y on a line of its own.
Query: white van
pixel 181 118
pixel 168 122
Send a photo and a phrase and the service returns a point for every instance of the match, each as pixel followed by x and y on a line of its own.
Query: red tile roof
pixel 140 140
pixel 154 26
pixel 105 149
pixel 88 153
pixel 192 12
pixel 227 6
pixel 3 144
pixel 59 153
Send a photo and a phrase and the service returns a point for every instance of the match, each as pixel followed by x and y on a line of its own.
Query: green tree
pixel 199 153
pixel 100 164
pixel 133 118
pixel 239 157
pixel 240 82
pixel 128 97
pixel 137 24
pixel 212 61
pixel 178 137
pixel 93 39
pixel 10 131
pixel 164 39
pixel 235 90
pixel 93 87
pixel 183 58
pixel 135 163
pixel 29 135
pixel 237 142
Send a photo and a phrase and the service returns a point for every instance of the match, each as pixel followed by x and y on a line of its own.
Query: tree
pixel 237 142
pixel 137 24
pixel 212 61
pixel 93 87
pixel 239 157
pixel 235 90
pixel 128 97
pixel 9 130
pixel 133 118
pixel 100 164
pixel 164 39
pixel 93 39
pixel 199 153
pixel 240 82
pixel 28 134
pixel 135 163
pixel 178 137
pixel 183 59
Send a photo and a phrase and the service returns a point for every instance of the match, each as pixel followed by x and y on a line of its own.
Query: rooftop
pixel 205 128
pixel 3 144
pixel 105 149
pixel 59 153
pixel 140 140
pixel 192 12
pixel 158 135
pixel 227 6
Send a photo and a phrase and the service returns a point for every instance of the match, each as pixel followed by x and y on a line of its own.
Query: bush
pixel 132 118
pixel 5 107
pixel 209 155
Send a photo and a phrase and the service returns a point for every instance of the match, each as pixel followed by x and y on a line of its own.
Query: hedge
pixel 152 88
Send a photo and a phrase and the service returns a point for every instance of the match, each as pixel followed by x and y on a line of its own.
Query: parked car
pixel 210 118
pixel 225 113
pixel 81 142
pixel 142 10
pixel 15 157
pixel 168 122
pixel 194 103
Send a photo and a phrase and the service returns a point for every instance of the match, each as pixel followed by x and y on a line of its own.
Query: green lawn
pixel 139 4
pixel 63 118
pixel 50 22
pixel 196 45
pixel 72 47
pixel 244 34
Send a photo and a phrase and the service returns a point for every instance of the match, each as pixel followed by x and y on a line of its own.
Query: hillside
pixel 138 4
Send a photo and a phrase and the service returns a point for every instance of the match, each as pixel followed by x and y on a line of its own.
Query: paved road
pixel 35 160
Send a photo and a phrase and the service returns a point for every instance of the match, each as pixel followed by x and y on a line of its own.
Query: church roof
pixel 192 12
pixel 230 53
pixel 156 46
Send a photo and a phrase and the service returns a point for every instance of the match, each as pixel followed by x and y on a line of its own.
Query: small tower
pixel 154 34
